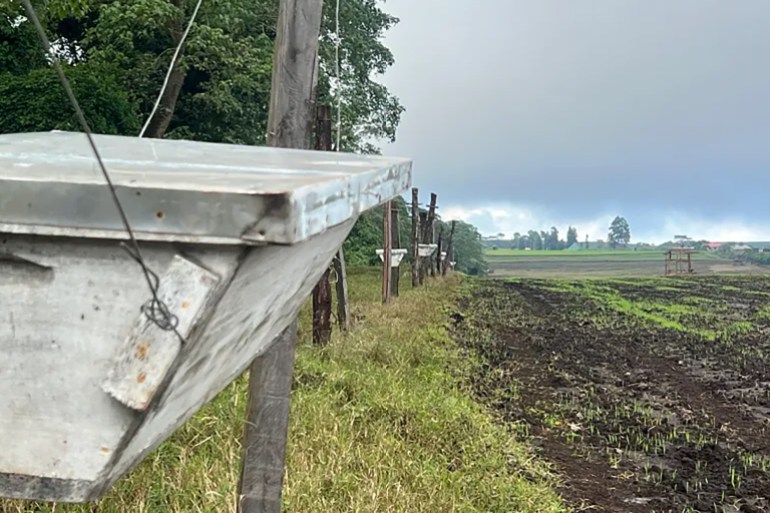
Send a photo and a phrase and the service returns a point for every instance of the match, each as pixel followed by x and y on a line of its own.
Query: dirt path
pixel 636 417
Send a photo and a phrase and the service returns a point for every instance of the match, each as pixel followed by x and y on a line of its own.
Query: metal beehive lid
pixel 173 190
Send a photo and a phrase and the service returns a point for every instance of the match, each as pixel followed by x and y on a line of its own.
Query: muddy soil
pixel 647 396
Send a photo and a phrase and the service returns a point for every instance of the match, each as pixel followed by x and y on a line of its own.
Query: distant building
pixel 760 246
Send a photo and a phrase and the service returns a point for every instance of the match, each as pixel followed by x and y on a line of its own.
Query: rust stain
pixel 141 377
pixel 141 350
pixel 185 304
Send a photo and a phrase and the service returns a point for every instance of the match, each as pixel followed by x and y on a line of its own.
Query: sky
pixel 523 114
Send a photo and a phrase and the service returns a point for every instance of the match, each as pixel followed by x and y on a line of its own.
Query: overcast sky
pixel 527 113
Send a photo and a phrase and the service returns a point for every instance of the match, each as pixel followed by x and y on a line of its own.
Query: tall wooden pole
pixel 289 124
pixel 322 292
pixel 439 248
pixel 387 247
pixel 421 262
pixel 343 306
pixel 449 249
pixel 428 235
pixel 415 238
pixel 395 242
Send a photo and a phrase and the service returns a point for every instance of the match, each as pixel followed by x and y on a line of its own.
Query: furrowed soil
pixel 647 395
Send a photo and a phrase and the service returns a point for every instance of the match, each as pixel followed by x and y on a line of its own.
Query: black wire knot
pixel 157 312
pixel 154 309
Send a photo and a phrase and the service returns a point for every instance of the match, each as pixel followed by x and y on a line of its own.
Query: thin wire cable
pixel 337 41
pixel 155 309
pixel 171 68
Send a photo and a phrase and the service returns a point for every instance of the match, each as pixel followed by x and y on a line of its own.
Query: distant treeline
pixel 534 239
pixel 618 236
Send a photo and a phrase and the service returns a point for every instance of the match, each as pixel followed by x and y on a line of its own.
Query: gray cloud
pixel 582 107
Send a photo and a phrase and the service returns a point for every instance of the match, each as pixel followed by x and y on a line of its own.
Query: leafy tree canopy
pixel 219 91
pixel 620 232
pixel 572 236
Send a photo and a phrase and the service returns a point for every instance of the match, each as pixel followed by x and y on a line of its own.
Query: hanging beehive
pixel 237 235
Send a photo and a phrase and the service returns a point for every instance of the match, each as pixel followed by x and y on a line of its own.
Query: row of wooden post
pixel 420 266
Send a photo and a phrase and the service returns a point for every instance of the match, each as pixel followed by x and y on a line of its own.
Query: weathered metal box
pixel 238 237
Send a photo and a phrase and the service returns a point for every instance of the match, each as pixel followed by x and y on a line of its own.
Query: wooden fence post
pixel 428 235
pixel 322 292
pixel 289 125
pixel 265 432
pixel 420 260
pixel 343 307
pixel 438 252
pixel 449 249
pixel 386 255
pixel 415 238
pixel 395 241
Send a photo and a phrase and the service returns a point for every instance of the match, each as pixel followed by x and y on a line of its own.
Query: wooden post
pixel 322 292
pixel 343 306
pixel 386 256
pixel 438 252
pixel 395 242
pixel 265 433
pixel 322 310
pixel 421 260
pixel 428 235
pixel 415 238
pixel 289 125
pixel 449 249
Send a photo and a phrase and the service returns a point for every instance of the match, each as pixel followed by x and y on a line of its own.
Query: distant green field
pixel 646 254
pixel 600 263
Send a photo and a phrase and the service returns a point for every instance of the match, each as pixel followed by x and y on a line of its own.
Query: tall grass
pixel 380 422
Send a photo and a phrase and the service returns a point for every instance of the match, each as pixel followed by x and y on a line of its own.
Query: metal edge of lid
pixel 203 219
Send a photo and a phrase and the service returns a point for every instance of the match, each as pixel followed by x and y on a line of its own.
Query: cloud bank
pixel 566 111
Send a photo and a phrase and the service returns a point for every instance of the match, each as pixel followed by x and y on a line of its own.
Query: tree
pixel 572 236
pixel 219 89
pixel 553 239
pixel 619 233
pixel 35 101
pixel 535 240
pixel 516 242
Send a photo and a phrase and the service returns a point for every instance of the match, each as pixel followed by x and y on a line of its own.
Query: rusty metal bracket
pixel 148 352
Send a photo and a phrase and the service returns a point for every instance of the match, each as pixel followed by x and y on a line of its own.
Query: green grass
pixel 591 254
pixel 381 421
pixel 621 253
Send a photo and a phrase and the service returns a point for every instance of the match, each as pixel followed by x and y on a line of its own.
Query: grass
pixel 381 421
pixel 598 255
pixel 590 253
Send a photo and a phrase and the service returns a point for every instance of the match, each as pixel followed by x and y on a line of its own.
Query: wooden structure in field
pixel 678 261
pixel 237 235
